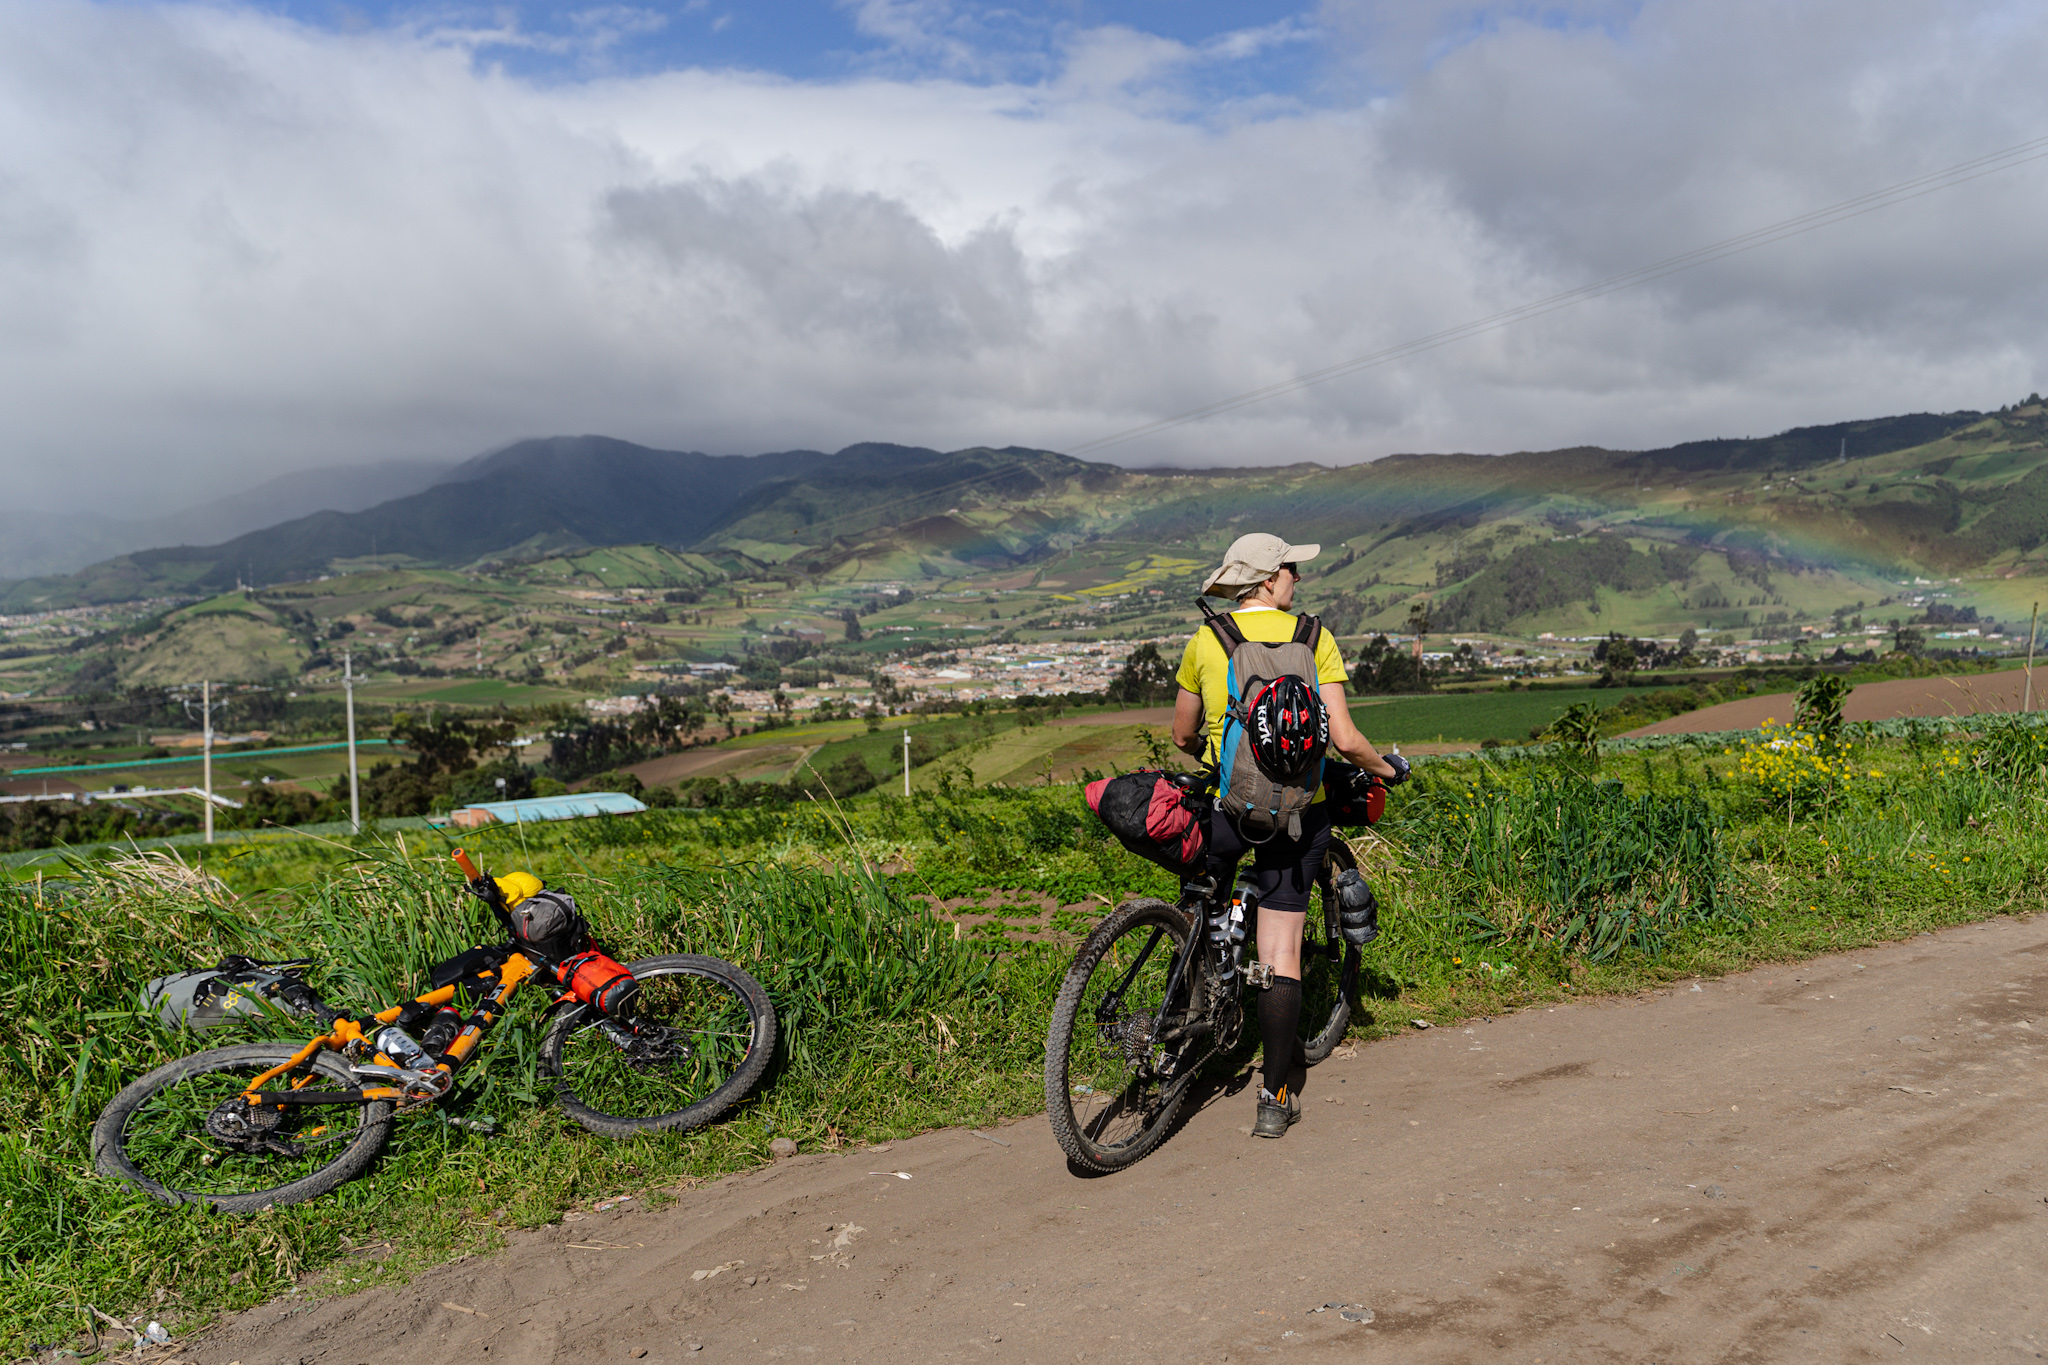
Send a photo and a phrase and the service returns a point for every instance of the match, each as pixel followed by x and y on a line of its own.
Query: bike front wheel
pixel 182 1135
pixel 1111 1088
pixel 701 1037
pixel 1327 987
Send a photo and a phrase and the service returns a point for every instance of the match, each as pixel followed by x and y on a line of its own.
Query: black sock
pixel 1279 1020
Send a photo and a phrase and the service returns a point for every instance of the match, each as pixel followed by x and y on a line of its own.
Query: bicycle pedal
pixel 1260 975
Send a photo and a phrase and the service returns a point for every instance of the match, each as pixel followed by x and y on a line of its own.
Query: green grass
pixel 894 1023
pixel 1472 715
pixel 466 692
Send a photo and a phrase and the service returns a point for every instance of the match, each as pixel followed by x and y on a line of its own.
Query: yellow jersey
pixel 1205 668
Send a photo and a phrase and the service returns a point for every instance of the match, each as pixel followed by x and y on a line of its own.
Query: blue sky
pixel 821 40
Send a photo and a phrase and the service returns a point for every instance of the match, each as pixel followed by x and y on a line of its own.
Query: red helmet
pixel 1289 728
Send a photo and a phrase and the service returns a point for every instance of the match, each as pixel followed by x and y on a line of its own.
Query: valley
pixel 807 600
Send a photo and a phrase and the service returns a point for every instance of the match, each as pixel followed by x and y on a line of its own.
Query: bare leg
pixel 1280 940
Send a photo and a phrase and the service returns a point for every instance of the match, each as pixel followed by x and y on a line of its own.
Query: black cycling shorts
pixel 1284 870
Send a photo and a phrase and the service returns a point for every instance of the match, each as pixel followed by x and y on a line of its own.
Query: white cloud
pixel 231 245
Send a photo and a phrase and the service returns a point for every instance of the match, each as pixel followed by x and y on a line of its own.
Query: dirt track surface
pixel 1964 695
pixel 1843 1161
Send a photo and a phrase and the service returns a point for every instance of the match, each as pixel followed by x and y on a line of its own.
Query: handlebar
pixel 480 886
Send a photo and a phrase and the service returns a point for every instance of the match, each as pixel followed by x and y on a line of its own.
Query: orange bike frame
pixel 515 970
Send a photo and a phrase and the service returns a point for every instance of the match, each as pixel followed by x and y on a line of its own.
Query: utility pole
pixel 2028 704
pixel 206 751
pixel 355 800
pixel 206 707
pixel 906 760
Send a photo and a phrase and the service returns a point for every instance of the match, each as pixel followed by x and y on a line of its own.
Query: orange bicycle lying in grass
pixel 662 1044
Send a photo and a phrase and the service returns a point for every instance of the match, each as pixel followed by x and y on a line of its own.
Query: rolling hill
pixel 1718 532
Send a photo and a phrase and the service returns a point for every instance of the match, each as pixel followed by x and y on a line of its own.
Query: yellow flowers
pixel 1788 761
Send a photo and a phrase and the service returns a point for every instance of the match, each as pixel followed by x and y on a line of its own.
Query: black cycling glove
pixel 1400 767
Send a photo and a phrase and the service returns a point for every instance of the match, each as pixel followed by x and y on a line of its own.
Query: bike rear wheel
pixel 156 1136
pixel 701 1037
pixel 1327 987
pixel 1111 1090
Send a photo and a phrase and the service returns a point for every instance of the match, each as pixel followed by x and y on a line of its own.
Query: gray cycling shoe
pixel 1277 1113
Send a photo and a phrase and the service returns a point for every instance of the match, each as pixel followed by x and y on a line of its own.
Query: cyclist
pixel 1260 572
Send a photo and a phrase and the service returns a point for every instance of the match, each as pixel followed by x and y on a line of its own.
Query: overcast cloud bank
pixel 231 245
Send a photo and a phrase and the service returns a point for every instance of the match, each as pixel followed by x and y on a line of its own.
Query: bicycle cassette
pixel 249 1128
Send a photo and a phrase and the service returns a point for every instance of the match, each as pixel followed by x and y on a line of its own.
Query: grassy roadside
pixel 1898 836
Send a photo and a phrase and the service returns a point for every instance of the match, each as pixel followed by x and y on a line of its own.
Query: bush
pixel 1547 856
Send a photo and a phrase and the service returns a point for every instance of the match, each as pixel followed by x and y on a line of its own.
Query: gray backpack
pixel 548 925
pixel 238 986
pixel 1275 730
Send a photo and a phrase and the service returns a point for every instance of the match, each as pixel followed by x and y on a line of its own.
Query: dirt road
pixel 1845 1161
pixel 1963 695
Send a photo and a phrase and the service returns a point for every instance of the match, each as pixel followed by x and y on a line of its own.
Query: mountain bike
pixel 1156 991
pixel 255 1124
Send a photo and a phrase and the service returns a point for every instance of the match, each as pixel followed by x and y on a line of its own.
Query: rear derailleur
pixel 251 1129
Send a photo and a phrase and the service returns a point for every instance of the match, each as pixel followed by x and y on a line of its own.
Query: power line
pixel 1960 174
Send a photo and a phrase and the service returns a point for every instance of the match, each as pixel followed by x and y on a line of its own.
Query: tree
pixel 1418 622
pixel 449 744
pixel 1147 676
pixel 1621 660
pixel 1383 668
pixel 852 620
pixel 721 703
pixel 1908 639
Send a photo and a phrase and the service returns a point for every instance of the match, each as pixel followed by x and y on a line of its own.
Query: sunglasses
pixel 1294 569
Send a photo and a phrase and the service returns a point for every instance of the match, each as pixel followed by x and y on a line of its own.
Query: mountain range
pixel 1929 495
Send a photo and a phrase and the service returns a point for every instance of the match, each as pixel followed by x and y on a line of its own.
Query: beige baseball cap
pixel 1254 559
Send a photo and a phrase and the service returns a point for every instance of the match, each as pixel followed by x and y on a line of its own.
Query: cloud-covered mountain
pixel 35 542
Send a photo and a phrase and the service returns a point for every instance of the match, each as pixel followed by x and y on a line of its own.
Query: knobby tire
pixel 720 1017
pixel 153 1133
pixel 1107 1112
pixel 1328 988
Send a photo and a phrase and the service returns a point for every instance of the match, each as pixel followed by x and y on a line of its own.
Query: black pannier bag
pixel 476 971
pixel 1355 796
pixel 1162 817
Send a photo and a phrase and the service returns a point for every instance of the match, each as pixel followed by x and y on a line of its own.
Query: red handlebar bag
pixel 596 979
